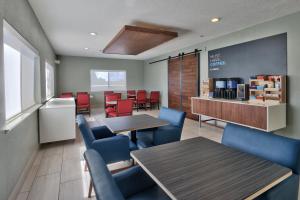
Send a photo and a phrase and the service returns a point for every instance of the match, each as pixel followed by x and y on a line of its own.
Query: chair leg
pixel 90 189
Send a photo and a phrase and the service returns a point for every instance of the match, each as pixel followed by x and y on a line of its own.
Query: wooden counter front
pixel 261 116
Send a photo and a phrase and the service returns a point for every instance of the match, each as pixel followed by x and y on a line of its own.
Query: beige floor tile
pixel 39 157
pixel 73 150
pixel 50 164
pixel 72 170
pixel 45 188
pixel 53 149
pixel 22 196
pixel 75 190
pixel 30 178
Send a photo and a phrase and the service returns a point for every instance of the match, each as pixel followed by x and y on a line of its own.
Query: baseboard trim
pixel 16 190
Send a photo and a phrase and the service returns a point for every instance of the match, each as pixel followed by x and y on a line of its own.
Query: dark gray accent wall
pixel 19 145
pixel 262 56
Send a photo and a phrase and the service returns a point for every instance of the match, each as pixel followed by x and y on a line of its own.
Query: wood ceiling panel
pixel 133 40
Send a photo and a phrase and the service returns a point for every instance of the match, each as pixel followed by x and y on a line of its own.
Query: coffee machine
pixel 231 89
pixel 219 88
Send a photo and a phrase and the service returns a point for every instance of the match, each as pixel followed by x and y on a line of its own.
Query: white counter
pixel 57 120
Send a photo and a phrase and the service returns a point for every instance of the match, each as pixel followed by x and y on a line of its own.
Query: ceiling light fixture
pixel 86 48
pixel 93 34
pixel 215 19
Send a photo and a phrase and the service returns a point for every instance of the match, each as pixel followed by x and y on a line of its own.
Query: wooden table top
pixel 199 168
pixel 132 123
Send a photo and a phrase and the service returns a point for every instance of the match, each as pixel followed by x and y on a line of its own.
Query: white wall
pixel 17 147
pixel 74 74
pixel 289 24
pixel 156 79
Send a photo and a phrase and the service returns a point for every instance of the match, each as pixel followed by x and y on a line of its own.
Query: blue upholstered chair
pixel 113 148
pixel 131 184
pixel 281 150
pixel 165 134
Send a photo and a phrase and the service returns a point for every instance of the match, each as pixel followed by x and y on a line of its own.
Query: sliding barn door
pixel 183 83
pixel 174 91
pixel 190 83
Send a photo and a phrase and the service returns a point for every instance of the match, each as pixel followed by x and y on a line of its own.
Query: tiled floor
pixel 58 171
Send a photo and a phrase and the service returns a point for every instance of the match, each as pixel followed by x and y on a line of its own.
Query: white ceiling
pixel 68 23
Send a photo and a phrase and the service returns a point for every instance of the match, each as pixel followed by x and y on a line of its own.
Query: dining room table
pixel 133 123
pixel 199 168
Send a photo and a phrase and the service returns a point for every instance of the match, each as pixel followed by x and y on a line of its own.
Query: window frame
pixel 20 40
pixel 53 83
pixel 108 80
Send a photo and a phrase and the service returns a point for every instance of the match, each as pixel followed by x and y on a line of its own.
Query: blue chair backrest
pixel 278 149
pixel 175 117
pixel 86 131
pixel 104 185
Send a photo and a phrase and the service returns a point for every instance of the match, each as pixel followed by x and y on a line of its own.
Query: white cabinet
pixel 57 120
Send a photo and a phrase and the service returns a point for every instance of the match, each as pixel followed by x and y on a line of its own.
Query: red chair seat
pixel 110 109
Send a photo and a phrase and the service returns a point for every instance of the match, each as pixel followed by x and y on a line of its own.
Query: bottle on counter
pixel 277 84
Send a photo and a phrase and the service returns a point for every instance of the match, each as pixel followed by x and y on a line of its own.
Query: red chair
pixel 124 108
pixel 83 104
pixel 66 95
pixel 110 97
pixel 119 95
pixel 142 91
pixel 110 107
pixel 154 99
pixel 141 99
pixel 108 92
pixel 131 94
pixel 69 94
pixel 105 93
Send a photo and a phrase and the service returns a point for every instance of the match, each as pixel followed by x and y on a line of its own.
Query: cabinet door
pixel 214 109
pixel 249 115
pixel 208 108
pixel 200 106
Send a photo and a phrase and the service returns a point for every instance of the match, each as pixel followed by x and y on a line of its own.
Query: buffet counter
pixel 266 116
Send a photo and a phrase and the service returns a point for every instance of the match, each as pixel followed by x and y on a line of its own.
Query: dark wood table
pixel 199 168
pixel 133 123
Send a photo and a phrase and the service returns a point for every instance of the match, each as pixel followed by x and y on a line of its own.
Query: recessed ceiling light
pixel 201 36
pixel 86 48
pixel 215 19
pixel 93 34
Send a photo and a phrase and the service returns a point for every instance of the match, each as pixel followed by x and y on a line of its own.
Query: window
pixel 12 73
pixel 49 81
pixel 20 63
pixel 108 80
